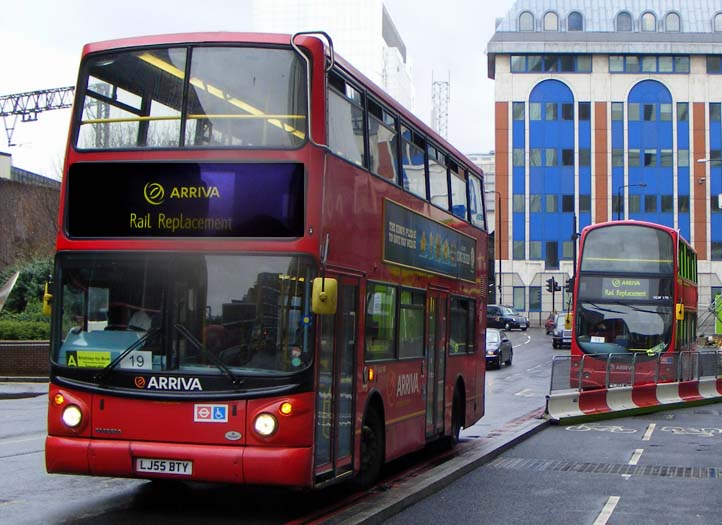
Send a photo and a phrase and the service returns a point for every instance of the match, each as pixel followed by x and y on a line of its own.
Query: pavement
pixel 20 387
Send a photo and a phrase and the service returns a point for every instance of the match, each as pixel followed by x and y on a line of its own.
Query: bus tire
pixel 457 418
pixel 372 450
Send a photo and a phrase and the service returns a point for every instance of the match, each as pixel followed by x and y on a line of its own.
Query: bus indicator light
pixel 286 408
pixel 58 399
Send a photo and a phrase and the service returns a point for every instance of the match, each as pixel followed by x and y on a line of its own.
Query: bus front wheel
pixel 372 449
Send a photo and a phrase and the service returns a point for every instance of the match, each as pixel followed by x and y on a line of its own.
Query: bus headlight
pixel 265 424
pixel 72 416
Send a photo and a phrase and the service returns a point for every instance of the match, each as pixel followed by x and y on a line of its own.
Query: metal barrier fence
pixel 608 371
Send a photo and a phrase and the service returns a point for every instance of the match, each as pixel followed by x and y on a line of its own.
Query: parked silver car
pixel 562 335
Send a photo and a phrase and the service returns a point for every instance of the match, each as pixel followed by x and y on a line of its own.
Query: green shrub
pixel 24 330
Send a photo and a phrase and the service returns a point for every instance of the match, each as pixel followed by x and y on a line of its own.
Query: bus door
pixel 334 395
pixel 436 314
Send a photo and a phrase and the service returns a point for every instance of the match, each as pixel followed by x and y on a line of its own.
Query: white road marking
pixel 635 457
pixel 21 440
pixel 527 392
pixel 648 434
pixel 607 510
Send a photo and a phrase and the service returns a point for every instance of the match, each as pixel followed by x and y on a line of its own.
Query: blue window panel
pixel 536 130
pixel 684 225
pixel 585 133
pixel 585 181
pixel 536 226
pixel 551 182
pixel 517 181
pixel 714 134
pixel 536 182
pixel 567 179
pixel 617 134
pixel 683 181
pixel 716 223
pixel 517 133
pixel 683 134
pixel 583 220
pixel 650 91
pixel 517 220
pixel 715 173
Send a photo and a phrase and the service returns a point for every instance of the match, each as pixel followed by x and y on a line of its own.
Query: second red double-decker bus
pixel 267 272
pixel 635 305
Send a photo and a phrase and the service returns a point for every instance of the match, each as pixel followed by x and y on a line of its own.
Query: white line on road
pixel 21 440
pixel 635 457
pixel 607 510
pixel 527 392
pixel 648 434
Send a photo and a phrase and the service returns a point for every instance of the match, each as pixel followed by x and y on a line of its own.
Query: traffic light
pixel 551 284
pixel 557 287
pixel 569 287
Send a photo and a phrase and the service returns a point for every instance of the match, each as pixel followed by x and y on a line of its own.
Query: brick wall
pixel 24 358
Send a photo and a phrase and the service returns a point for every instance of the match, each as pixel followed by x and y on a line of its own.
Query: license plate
pixel 164 466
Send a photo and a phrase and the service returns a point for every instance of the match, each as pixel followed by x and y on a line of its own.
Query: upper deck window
pixel 644 250
pixel 345 119
pixel 198 97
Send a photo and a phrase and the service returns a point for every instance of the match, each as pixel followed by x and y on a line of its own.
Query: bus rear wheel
pixel 457 421
pixel 372 450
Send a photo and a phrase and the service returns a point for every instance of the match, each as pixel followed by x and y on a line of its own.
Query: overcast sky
pixel 42 40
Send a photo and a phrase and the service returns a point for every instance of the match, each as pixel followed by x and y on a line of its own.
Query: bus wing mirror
pixel 47 300
pixel 679 314
pixel 324 296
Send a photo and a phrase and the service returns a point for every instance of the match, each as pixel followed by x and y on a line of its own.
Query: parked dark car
pixel 498 348
pixel 499 316
pixel 523 320
pixel 562 335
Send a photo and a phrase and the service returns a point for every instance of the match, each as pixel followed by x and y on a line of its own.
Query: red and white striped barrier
pixel 572 403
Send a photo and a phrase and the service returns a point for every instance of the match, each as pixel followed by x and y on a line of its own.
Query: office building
pixel 605 110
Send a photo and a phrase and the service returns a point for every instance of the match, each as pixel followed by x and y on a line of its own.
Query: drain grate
pixel 664 471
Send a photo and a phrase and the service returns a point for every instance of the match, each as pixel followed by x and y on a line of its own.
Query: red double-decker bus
pixel 635 305
pixel 267 272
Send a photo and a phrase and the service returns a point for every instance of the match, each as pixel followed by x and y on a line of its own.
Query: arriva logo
pixel 407 384
pixel 168 383
pixel 154 193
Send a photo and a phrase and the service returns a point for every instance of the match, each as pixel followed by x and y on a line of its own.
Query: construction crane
pixel 440 105
pixel 29 105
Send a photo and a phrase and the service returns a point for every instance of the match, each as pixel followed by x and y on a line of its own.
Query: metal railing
pixel 618 370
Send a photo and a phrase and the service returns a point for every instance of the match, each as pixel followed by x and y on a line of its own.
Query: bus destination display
pixel 185 200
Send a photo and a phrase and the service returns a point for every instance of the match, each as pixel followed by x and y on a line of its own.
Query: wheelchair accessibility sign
pixel 210 413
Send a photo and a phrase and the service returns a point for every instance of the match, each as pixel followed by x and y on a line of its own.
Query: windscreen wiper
pixel 237 381
pixel 105 372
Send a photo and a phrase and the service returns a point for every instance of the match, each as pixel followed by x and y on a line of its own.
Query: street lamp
pixel 619 196
pixel 497 234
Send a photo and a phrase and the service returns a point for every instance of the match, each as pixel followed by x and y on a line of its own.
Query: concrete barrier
pixel 572 403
